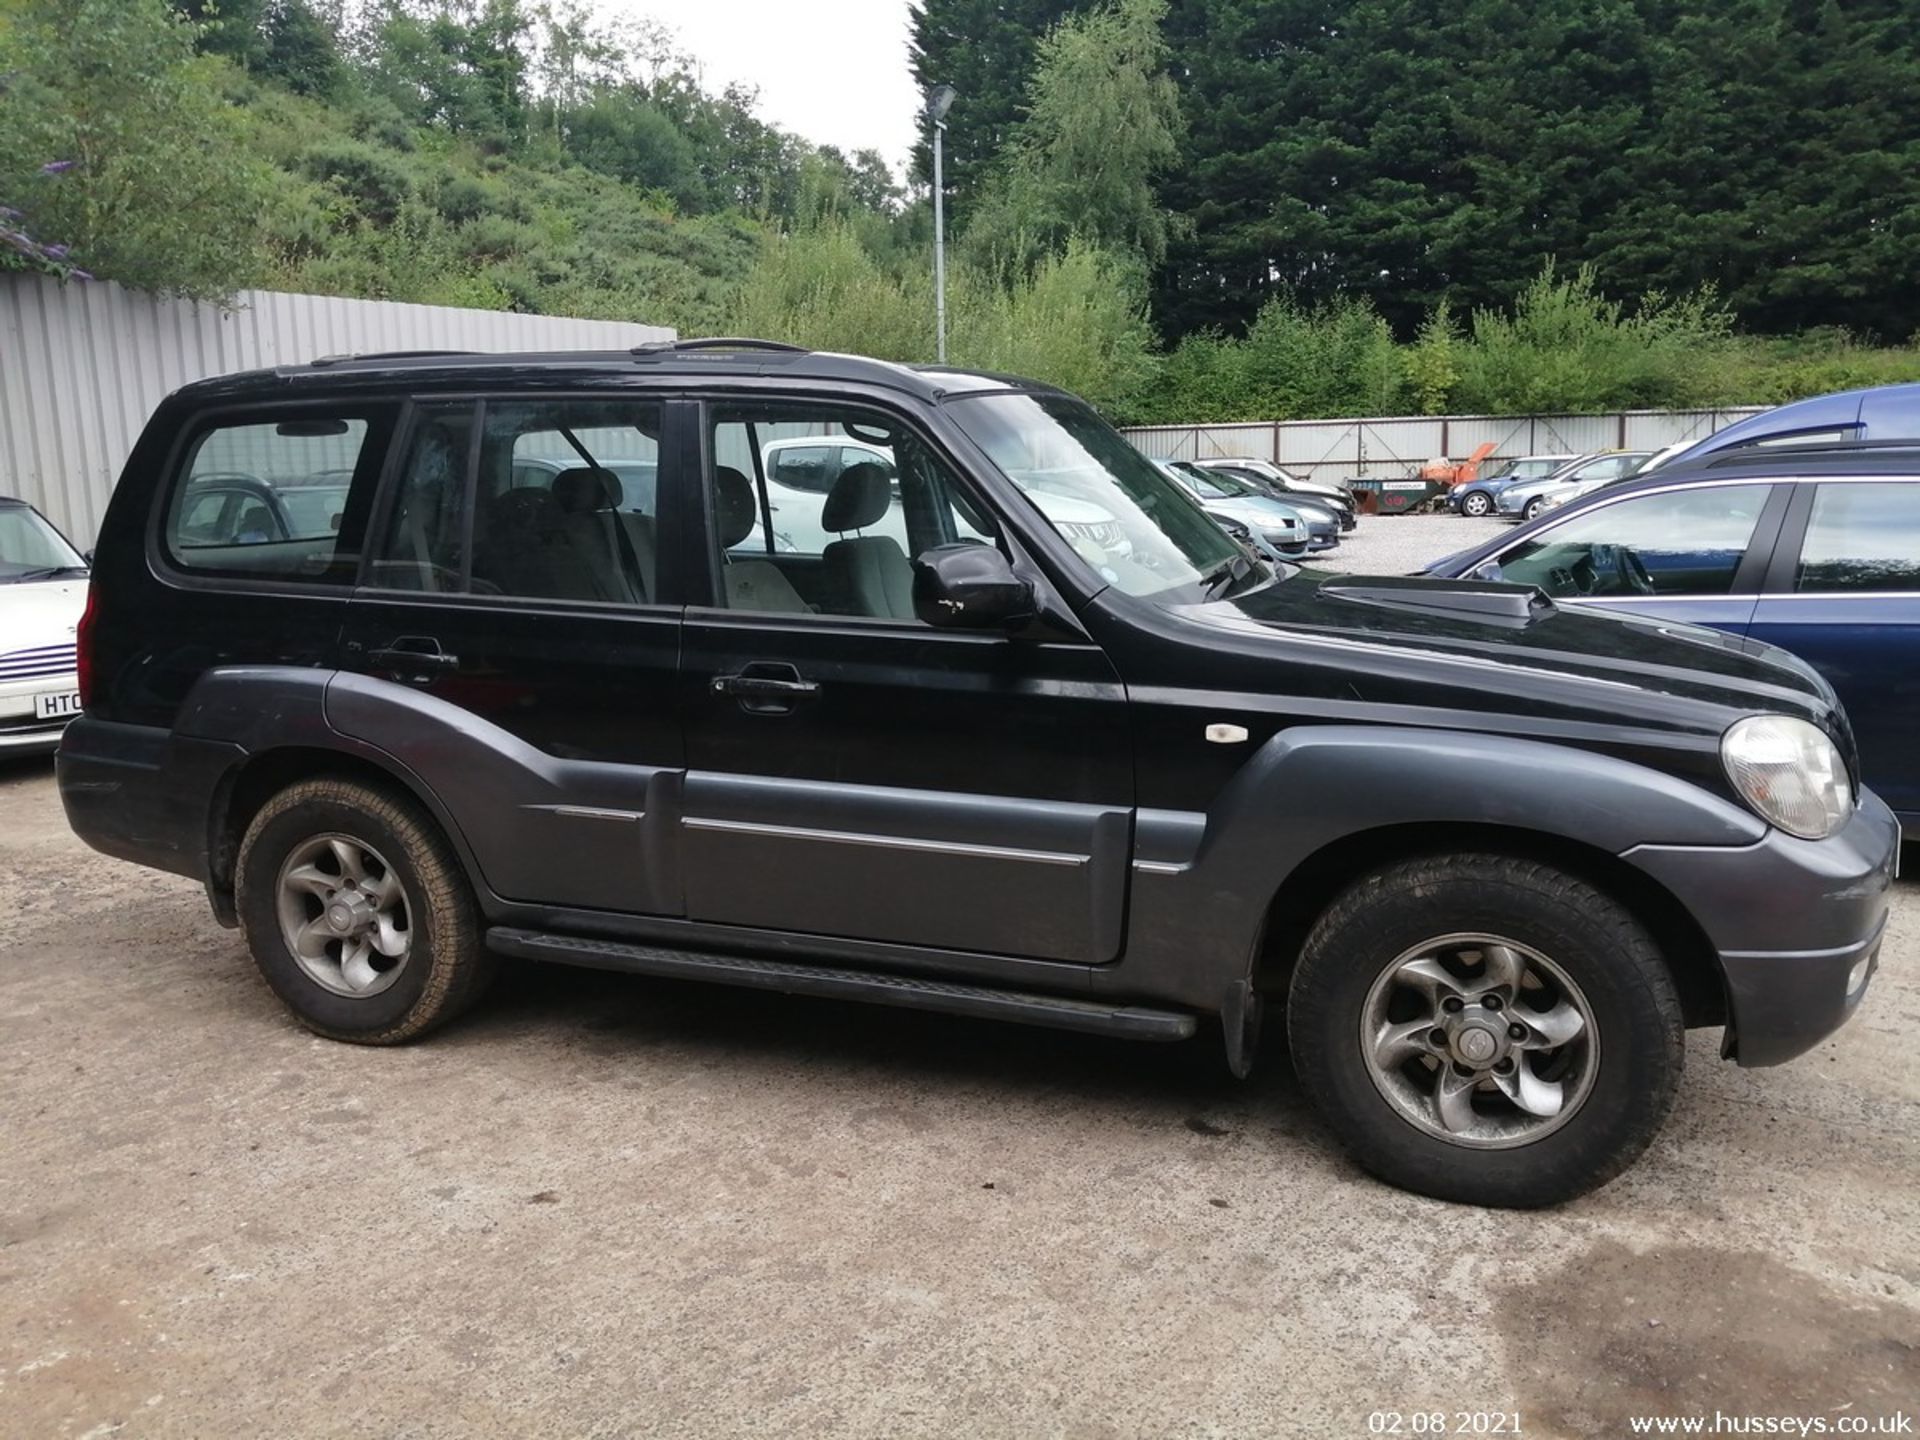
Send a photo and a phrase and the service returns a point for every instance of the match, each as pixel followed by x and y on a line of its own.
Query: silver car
pixel 1524 500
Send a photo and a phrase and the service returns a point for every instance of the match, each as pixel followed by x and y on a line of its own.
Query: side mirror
pixel 968 587
pixel 88 557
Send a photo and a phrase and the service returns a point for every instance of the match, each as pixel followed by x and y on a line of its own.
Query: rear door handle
pixel 413 657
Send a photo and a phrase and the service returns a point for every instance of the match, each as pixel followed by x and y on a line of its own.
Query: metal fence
pixel 1398 446
pixel 83 365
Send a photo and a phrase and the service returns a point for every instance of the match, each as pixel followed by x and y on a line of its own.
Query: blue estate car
pixel 1815 548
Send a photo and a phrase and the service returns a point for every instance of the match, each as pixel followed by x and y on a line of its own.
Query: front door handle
pixel 766 688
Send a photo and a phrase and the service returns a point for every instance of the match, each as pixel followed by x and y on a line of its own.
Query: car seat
pixel 868 573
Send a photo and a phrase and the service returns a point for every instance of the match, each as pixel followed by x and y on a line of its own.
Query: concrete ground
pixel 1402 544
pixel 610 1206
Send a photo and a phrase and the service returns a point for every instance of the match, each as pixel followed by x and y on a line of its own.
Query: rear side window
pixel 1862 537
pixel 277 497
pixel 536 499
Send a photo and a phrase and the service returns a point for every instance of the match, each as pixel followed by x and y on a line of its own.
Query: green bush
pixel 1078 320
pixel 1567 348
pixel 371 178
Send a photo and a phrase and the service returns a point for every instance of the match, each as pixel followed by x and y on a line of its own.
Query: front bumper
pixel 30 738
pixel 1797 925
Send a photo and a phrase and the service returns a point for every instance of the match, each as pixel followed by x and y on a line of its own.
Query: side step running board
pixel 1130 1022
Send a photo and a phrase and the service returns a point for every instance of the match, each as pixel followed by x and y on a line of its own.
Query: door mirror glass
pixel 968 586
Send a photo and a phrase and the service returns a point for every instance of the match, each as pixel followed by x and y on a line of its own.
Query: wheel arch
pixel 248 785
pixel 1316 881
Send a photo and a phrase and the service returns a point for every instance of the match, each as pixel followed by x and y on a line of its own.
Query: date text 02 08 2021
pixel 1444 1422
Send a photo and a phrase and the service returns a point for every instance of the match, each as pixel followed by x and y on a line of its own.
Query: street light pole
pixel 938 103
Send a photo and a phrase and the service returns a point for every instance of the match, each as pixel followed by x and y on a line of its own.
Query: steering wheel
pixel 1633 571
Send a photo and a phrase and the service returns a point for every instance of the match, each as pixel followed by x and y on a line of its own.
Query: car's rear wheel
pixel 1486 1029
pixel 1476 504
pixel 358 914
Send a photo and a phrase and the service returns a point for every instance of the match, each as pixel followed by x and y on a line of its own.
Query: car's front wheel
pixel 1486 1029
pixel 358 913
pixel 1477 504
pixel 1530 510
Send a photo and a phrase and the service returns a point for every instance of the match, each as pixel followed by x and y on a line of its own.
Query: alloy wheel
pixel 1479 1041
pixel 344 915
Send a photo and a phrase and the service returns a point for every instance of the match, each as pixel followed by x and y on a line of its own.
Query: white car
pixel 800 473
pixel 43 589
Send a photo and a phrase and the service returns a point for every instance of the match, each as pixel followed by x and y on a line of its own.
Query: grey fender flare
pixel 261 709
pixel 527 825
pixel 1202 883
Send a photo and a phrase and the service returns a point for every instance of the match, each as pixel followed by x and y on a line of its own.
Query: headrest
pixel 734 509
pixel 586 489
pixel 859 498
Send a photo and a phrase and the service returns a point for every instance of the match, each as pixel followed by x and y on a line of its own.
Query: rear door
pixel 511 642
pixel 1844 595
pixel 855 773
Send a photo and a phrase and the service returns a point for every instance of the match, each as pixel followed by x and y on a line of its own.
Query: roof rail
pixel 387 355
pixel 717 342
pixel 1746 451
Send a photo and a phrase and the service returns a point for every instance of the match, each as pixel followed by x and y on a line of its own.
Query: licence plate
pixel 58 705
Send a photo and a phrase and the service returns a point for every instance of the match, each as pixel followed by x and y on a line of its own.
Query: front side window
pixel 1861 538
pixel 278 499
pixel 1126 519
pixel 31 549
pixel 787 547
pixel 1682 542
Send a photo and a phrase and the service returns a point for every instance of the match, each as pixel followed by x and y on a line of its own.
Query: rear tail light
pixel 83 652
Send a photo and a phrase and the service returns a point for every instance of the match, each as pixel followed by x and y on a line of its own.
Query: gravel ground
pixel 611 1206
pixel 1402 544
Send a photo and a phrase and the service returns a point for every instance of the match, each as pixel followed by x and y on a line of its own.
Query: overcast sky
pixel 834 71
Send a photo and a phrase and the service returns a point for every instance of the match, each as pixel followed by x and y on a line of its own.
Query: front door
pixel 1694 554
pixel 1846 599
pixel 853 772
pixel 510 644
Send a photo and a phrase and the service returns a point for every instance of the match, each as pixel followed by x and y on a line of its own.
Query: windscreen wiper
pixel 48 572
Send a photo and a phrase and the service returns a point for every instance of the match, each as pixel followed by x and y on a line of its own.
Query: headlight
pixel 1789 772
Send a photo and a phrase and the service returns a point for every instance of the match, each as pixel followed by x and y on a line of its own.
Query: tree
pixel 458 64
pixel 114 141
pixel 298 49
pixel 1408 150
pixel 1104 121
pixel 985 49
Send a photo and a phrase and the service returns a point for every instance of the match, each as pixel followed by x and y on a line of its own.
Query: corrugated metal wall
pixel 1399 446
pixel 83 365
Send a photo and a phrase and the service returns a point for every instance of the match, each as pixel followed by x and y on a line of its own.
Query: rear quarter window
pixel 276 496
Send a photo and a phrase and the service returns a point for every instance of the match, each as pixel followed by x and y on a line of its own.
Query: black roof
pixel 707 360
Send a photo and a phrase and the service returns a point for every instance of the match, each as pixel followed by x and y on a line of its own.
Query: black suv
pixel 1028 738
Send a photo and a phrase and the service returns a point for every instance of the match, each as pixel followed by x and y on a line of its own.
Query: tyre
pixel 1529 511
pixel 1477 504
pixel 358 914
pixel 1486 1029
